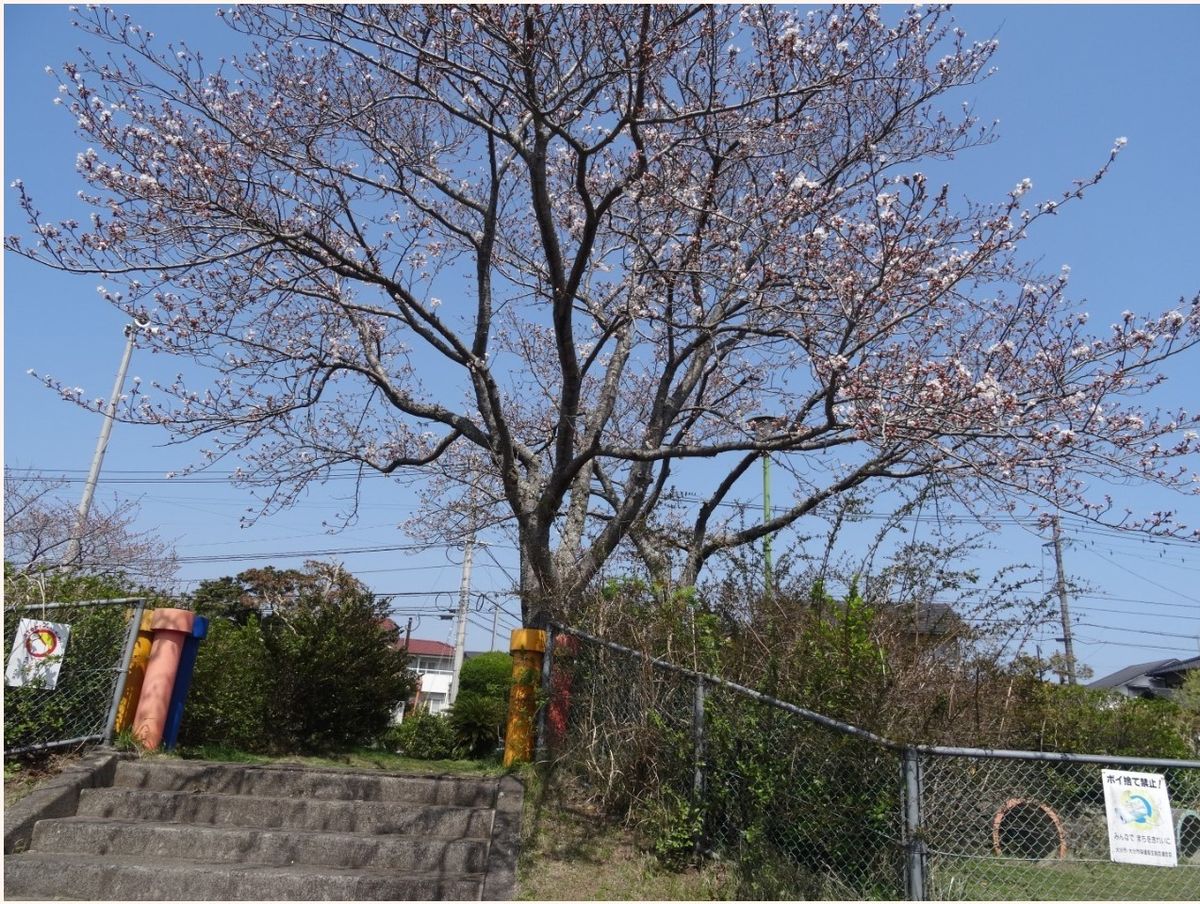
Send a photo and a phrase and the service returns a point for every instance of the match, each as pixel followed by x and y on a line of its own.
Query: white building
pixel 433 662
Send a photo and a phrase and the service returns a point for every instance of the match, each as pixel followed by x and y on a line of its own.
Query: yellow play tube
pixel 527 647
pixel 137 674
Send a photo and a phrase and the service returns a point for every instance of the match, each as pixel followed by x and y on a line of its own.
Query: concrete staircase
pixel 219 831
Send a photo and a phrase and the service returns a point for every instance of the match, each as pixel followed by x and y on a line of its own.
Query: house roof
pixel 1130 672
pixel 1176 666
pixel 426 647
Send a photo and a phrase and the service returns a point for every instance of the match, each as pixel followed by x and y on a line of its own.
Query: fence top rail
pixel 1054 756
pixel 855 731
pixel 800 711
pixel 121 601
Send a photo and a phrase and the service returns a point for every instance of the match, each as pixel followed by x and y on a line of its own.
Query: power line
pixel 1127 612
pixel 1133 573
pixel 1140 646
pixel 1128 630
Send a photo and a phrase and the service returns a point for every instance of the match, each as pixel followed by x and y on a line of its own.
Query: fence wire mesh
pixel 795 810
pixel 999 829
pixel 76 710
pixel 800 810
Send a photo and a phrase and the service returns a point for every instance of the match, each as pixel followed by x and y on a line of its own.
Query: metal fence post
pixel 698 759
pixel 123 675
pixel 914 863
pixel 698 740
pixel 547 669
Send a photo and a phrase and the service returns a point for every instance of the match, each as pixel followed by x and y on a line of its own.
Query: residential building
pixel 1159 678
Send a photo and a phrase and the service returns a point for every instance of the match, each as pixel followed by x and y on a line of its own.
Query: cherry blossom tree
pixel 39 523
pixel 546 259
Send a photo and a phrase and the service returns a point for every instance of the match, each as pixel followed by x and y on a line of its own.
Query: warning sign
pixel 37 653
pixel 1140 828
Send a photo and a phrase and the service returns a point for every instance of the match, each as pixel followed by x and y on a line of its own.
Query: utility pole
pixel 762 425
pixel 110 413
pixel 464 600
pixel 767 576
pixel 408 635
pixel 1061 585
pixel 495 617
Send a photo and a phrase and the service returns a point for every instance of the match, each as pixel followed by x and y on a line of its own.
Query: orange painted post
pixel 137 674
pixel 527 647
pixel 171 628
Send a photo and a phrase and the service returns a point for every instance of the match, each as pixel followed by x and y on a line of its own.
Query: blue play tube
pixel 183 681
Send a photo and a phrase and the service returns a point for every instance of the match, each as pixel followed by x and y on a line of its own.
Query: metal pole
pixel 698 740
pixel 126 657
pixel 547 677
pixel 460 639
pixel 1061 585
pixel 698 759
pixel 767 577
pixel 915 861
pixel 89 488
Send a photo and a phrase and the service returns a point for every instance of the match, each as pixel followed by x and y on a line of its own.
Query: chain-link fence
pixel 1000 828
pixel 92 661
pixel 802 806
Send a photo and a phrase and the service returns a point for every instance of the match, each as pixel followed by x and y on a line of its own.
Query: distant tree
pixel 544 257
pixel 39 521
pixel 257 590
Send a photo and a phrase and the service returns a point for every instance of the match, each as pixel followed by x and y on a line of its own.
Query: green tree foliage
pixel 307 655
pixel 489 674
pixel 1077 719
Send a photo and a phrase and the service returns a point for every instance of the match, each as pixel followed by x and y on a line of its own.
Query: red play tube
pixel 565 646
pixel 171 628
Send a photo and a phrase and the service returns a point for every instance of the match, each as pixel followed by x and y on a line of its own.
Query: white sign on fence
pixel 1140 828
pixel 37 653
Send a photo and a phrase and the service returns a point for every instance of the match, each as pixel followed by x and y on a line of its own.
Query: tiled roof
pixel 427 647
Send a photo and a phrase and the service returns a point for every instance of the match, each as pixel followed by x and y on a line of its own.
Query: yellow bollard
pixel 527 646
pixel 137 674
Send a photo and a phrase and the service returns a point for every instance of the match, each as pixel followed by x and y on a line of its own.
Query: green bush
pixel 477 722
pixel 231 686
pixel 481 708
pixel 422 736
pixel 339 677
pixel 318 671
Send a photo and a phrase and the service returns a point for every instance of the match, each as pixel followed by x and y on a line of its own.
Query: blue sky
pixel 1070 80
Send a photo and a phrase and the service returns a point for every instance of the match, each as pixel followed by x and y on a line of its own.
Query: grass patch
pixel 361 759
pixel 570 852
pixel 995 879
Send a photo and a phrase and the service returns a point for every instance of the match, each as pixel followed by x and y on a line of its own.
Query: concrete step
pixel 272 847
pixel 41 876
pixel 300 782
pixel 373 818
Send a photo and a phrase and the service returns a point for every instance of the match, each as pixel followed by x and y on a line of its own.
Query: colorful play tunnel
pixel 528 648
pixel 160 675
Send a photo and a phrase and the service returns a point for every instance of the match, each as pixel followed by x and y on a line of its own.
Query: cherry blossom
pixel 537 259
